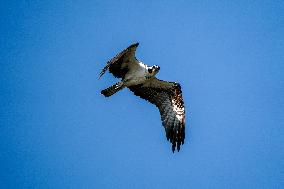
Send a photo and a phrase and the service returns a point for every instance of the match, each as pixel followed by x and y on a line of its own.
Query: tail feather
pixel 111 90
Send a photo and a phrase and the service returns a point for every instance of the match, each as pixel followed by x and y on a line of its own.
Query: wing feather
pixel 167 96
pixel 116 65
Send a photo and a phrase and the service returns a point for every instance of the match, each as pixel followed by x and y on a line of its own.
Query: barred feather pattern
pixel 111 90
pixel 171 106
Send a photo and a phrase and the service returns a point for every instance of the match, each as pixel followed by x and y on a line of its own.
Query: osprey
pixel 141 80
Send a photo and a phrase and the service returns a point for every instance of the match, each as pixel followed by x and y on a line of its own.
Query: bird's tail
pixel 112 89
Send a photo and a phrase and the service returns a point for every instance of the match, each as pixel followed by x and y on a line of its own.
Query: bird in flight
pixel 141 80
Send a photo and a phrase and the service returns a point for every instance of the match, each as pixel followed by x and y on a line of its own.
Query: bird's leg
pixel 123 83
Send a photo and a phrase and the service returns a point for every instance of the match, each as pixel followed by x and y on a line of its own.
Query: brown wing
pixel 167 96
pixel 115 65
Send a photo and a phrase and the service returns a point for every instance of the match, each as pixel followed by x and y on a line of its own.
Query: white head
pixel 153 70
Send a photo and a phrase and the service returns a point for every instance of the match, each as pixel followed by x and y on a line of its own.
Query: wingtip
pixel 173 148
pixel 134 45
pixel 100 76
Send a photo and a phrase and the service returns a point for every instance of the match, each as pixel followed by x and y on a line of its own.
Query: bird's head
pixel 153 70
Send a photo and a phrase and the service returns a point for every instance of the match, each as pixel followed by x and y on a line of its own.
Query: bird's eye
pixel 150 70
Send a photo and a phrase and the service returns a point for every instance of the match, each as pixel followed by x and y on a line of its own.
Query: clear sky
pixel 57 131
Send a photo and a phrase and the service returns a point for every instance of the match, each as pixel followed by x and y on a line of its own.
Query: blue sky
pixel 57 131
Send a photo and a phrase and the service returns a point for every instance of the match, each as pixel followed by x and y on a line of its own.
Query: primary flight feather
pixel 141 80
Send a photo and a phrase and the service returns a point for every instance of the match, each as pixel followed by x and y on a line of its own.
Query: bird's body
pixel 136 75
pixel 141 80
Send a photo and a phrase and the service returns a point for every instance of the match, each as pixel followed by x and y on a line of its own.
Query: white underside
pixel 136 75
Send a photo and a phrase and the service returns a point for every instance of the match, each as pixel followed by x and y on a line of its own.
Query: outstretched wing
pixel 118 65
pixel 167 96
